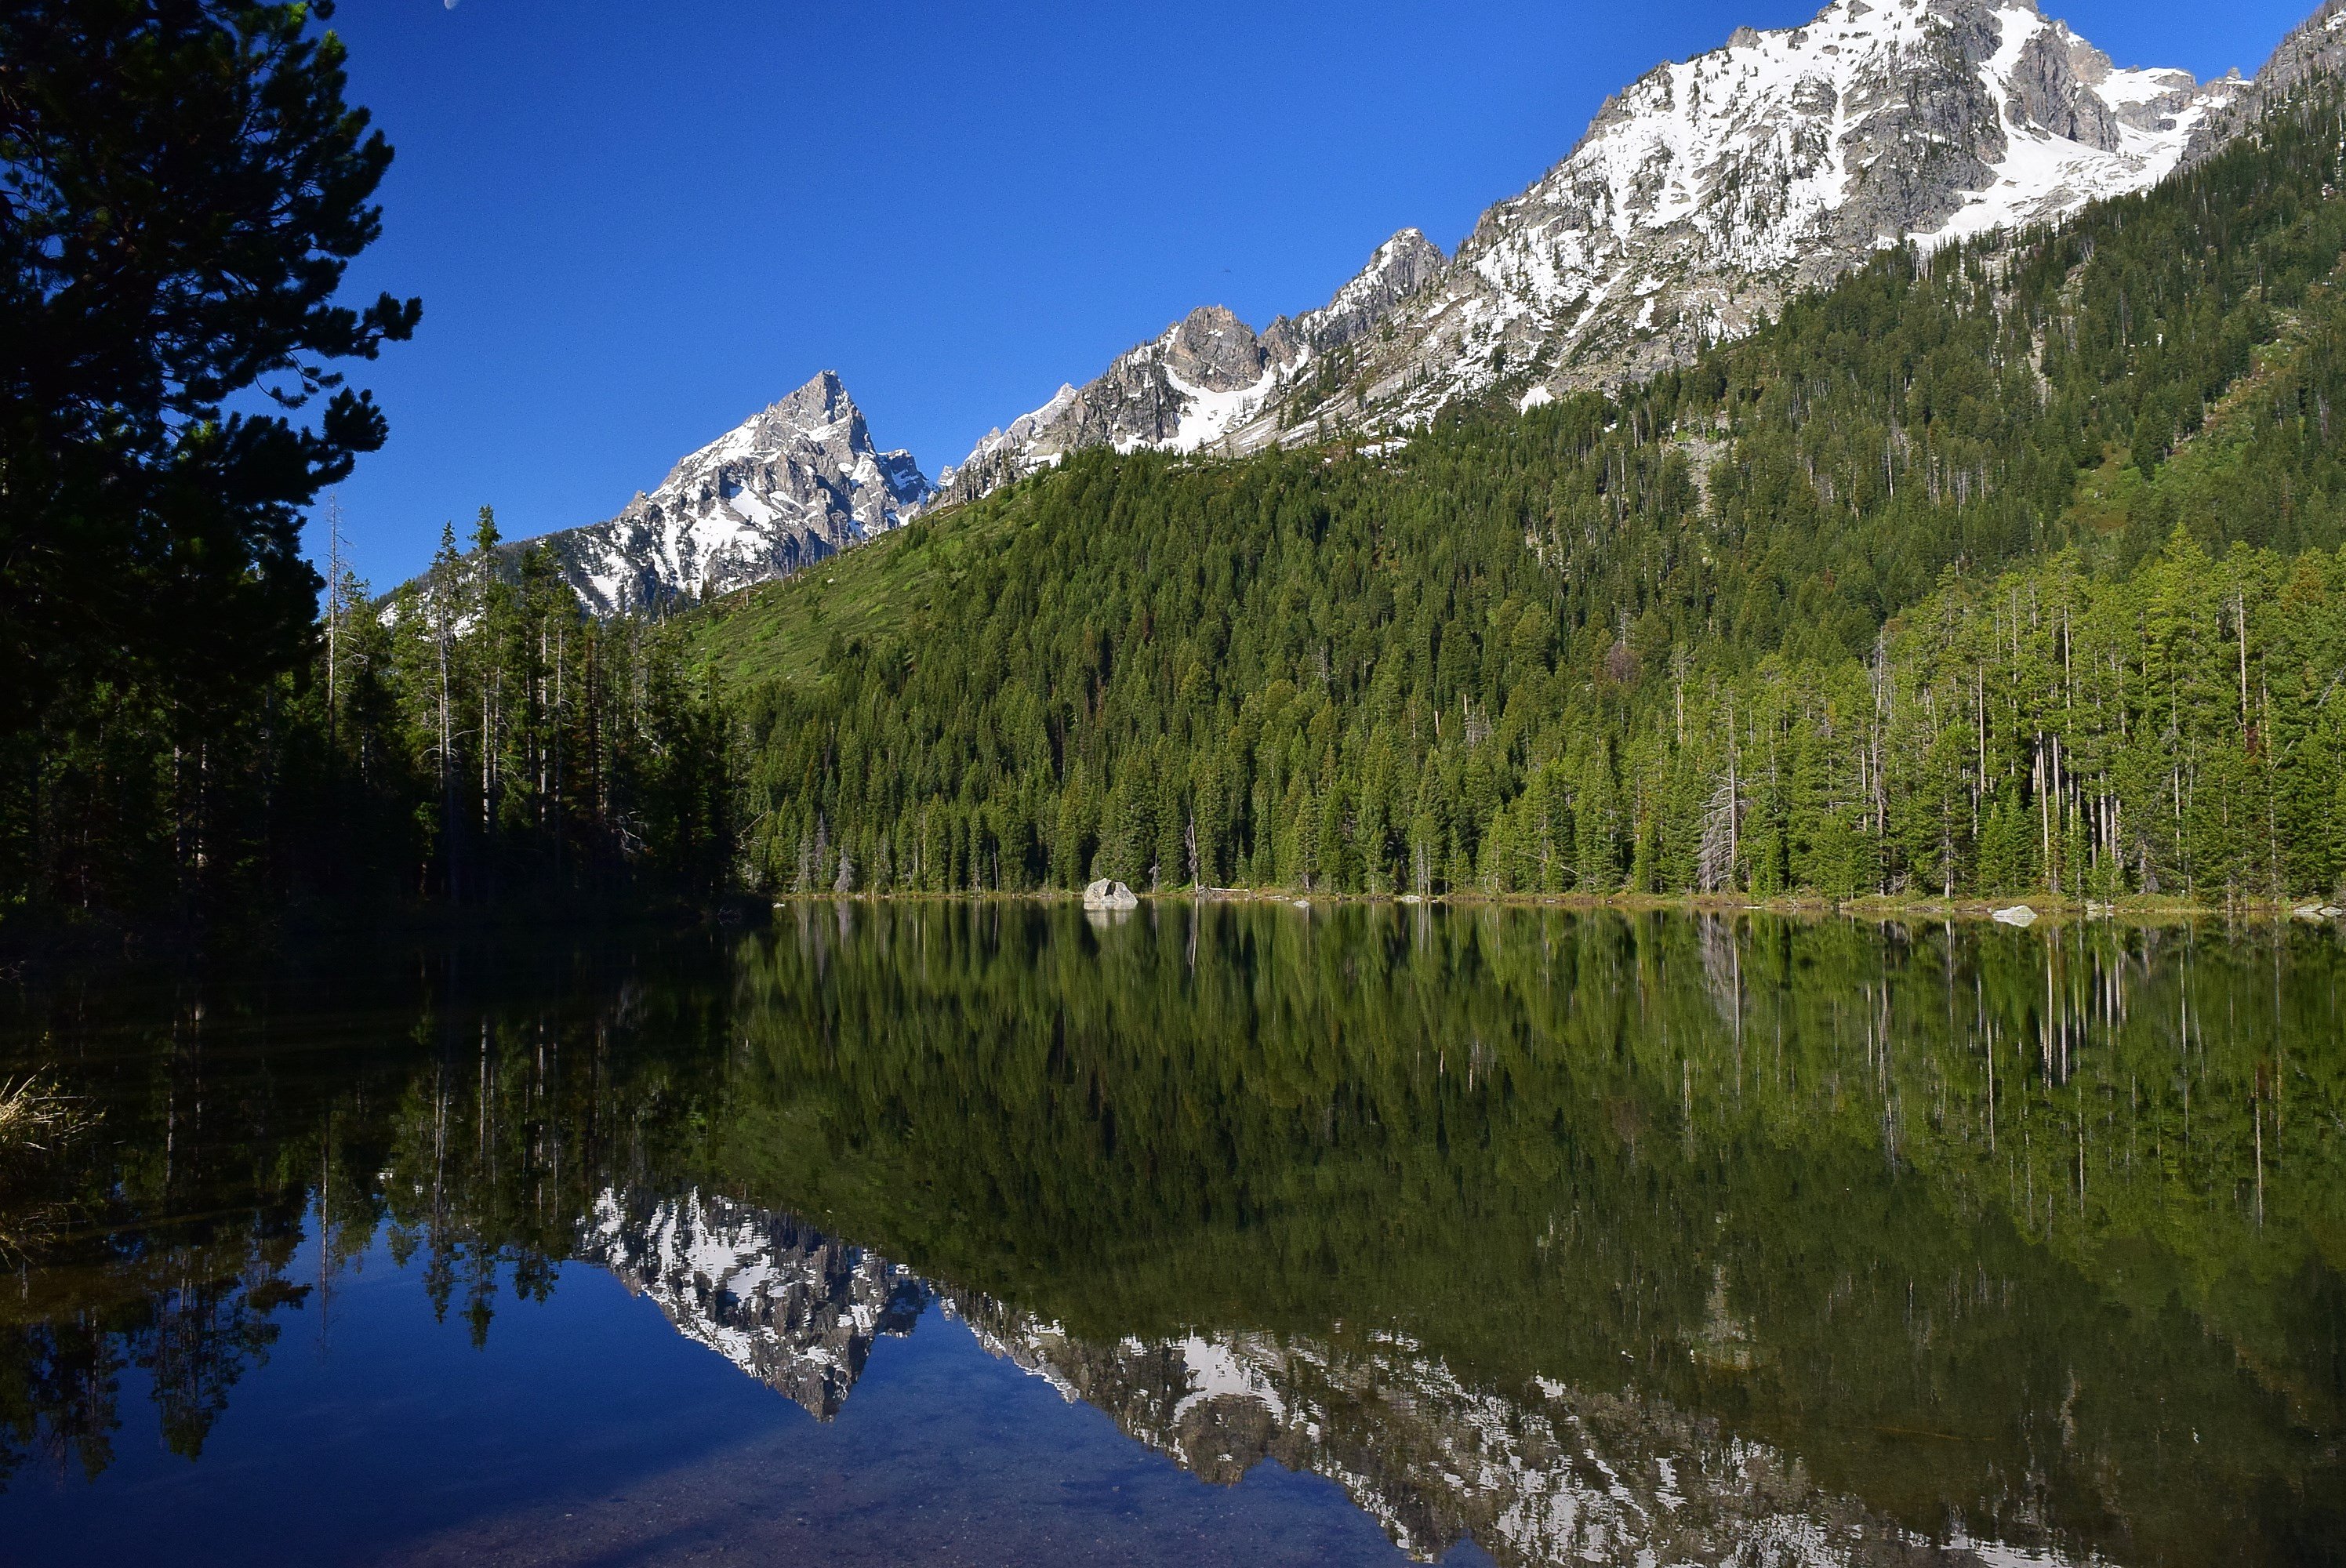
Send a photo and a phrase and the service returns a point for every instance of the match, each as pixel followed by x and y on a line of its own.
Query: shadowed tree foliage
pixel 183 738
pixel 181 187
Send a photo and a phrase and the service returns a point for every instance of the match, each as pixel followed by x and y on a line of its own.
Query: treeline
pixel 1745 628
pixel 473 739
pixel 2171 731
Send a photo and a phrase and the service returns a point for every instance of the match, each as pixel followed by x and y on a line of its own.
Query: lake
pixel 995 1232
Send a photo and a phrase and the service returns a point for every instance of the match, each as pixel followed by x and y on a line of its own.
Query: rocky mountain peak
pixel 1698 198
pixel 1400 268
pixel 795 481
pixel 1209 382
pixel 1212 349
pixel 2314 47
pixel 818 405
pixel 1705 192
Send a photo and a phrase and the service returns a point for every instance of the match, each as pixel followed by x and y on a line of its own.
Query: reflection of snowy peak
pixel 1550 1478
pixel 795 483
pixel 1549 1475
pixel 790 1307
pixel 1698 199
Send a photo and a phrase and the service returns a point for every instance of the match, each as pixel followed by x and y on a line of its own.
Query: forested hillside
pixel 2011 567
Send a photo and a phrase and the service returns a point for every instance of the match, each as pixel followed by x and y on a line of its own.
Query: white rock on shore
pixel 1107 895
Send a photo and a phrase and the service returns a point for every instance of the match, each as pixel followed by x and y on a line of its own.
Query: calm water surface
pixel 989 1234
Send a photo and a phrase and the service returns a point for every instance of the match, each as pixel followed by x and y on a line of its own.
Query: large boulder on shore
pixel 1107 895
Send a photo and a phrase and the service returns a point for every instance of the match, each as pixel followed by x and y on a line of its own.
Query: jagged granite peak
pixel 1709 190
pixel 1698 200
pixel 1400 267
pixel 1203 384
pixel 2314 47
pixel 792 484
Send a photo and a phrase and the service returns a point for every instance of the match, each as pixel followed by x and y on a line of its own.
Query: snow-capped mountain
pixel 1709 191
pixel 1205 378
pixel 791 485
pixel 1697 202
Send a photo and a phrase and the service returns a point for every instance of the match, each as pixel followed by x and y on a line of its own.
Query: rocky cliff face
pixel 2314 47
pixel 1698 200
pixel 792 484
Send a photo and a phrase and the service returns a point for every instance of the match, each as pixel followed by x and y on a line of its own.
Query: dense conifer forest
pixel 184 739
pixel 2012 568
pixel 473 739
pixel 2009 568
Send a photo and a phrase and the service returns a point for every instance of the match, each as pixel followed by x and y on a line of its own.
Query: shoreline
pixel 2045 910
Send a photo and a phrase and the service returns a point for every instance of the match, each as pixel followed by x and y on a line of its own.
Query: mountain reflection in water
pixel 1584 1237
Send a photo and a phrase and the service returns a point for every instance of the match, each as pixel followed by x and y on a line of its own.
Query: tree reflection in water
pixel 1573 1233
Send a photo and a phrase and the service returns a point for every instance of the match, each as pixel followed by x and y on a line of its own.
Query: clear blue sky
pixel 632 225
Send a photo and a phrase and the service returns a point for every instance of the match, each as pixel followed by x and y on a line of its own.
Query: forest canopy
pixel 2011 567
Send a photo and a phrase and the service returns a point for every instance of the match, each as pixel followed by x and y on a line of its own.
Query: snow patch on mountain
pixel 791 485
pixel 1698 201
pixel 1712 188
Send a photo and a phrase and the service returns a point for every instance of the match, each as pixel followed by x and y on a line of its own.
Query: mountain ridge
pixel 1705 193
pixel 1698 201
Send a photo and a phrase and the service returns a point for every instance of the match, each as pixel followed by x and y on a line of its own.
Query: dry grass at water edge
pixel 35 1118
